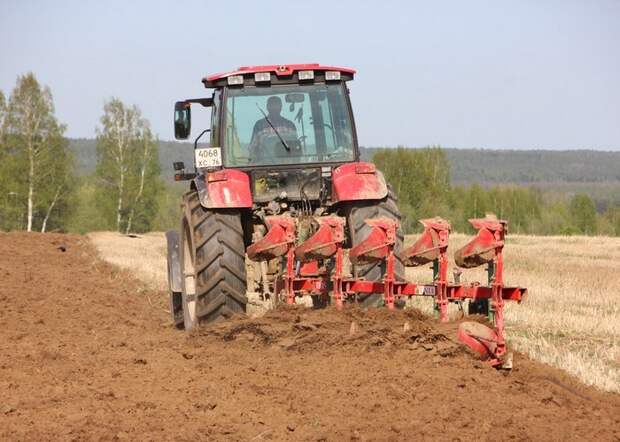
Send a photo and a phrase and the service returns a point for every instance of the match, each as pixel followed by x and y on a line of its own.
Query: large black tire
pixel 357 212
pixel 212 240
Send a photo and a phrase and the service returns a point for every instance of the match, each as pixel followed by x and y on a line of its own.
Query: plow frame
pixel 328 242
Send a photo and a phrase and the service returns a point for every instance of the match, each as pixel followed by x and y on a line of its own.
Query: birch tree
pixel 57 187
pixel 147 167
pixel 4 193
pixel 127 168
pixel 38 164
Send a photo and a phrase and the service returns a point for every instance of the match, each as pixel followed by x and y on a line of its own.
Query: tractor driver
pixel 262 129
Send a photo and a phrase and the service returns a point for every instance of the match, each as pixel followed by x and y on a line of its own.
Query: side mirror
pixel 182 120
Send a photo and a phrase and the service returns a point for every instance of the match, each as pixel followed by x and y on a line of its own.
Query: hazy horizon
pixel 475 75
pixel 190 141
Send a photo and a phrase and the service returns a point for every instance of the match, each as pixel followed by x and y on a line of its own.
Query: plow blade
pixel 378 243
pixel 276 241
pixel 482 248
pixel 428 247
pixel 324 242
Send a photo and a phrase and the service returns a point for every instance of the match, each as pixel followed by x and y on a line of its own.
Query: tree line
pixel 420 178
pixel 39 187
pixel 524 167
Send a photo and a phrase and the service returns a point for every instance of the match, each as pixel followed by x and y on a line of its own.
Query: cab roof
pixel 282 70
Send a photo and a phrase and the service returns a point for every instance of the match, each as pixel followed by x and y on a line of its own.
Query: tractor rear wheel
pixel 357 213
pixel 213 263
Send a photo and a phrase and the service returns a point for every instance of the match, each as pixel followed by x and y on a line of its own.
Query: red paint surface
pixel 430 245
pixel 358 181
pixel 324 242
pixel 228 188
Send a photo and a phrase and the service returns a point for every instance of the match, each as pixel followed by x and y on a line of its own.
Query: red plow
pixel 320 271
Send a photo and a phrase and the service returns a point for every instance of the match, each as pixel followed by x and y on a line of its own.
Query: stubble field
pixel 571 319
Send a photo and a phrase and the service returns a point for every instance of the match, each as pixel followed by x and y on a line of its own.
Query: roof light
pixel 306 75
pixel 332 75
pixel 235 80
pixel 261 77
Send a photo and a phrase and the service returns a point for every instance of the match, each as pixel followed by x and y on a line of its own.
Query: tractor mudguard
pixel 224 189
pixel 174 261
pixel 175 275
pixel 358 181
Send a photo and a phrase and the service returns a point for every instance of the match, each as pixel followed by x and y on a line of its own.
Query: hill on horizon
pixel 596 173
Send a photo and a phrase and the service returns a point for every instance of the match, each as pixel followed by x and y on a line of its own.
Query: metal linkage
pixel 432 246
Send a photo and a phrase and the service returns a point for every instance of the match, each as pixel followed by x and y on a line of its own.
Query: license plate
pixel 208 157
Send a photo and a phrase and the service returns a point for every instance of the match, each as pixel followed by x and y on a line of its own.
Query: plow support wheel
pixel 481 339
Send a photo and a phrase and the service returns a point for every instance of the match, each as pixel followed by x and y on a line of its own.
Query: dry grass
pixel 570 320
pixel 144 255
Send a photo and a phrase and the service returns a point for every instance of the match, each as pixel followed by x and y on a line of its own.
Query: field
pixel 88 354
pixel 570 320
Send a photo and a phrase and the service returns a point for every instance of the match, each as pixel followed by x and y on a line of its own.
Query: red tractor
pixel 281 209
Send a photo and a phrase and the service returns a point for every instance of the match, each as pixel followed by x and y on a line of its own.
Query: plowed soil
pixel 87 354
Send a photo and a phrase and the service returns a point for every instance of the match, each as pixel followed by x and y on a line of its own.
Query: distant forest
pixel 595 173
pixel 466 165
pixel 529 166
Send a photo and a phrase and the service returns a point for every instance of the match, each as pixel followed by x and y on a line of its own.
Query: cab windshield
pixel 287 125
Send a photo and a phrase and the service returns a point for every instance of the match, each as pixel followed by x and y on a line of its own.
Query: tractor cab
pixel 285 126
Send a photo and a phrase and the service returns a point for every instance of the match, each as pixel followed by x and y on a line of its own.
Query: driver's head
pixel 274 105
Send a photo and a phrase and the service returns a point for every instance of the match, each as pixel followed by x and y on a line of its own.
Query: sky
pixel 470 74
